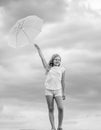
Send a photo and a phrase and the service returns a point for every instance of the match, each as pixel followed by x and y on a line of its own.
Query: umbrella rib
pixel 17 35
pixel 27 36
pixel 20 26
pixel 20 36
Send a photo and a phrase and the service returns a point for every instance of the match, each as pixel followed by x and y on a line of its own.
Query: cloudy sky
pixel 71 28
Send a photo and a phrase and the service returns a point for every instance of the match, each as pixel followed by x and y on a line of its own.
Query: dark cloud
pixel 4 2
pixel 49 10
pixel 85 87
pixel 28 92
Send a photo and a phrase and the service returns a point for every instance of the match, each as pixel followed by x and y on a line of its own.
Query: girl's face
pixel 57 61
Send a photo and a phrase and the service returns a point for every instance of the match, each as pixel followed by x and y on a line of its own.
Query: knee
pixel 60 109
pixel 51 109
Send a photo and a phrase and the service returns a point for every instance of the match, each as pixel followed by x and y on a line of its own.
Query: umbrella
pixel 25 31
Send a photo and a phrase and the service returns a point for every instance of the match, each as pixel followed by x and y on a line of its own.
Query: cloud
pixel 82 120
pixel 1 17
pixel 51 10
pixel 73 31
pixel 86 123
pixel 22 116
pixel 81 30
pixel 21 78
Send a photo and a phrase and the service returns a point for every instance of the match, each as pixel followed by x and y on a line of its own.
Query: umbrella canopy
pixel 25 31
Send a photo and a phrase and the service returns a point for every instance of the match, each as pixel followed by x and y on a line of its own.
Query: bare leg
pixel 50 102
pixel 60 110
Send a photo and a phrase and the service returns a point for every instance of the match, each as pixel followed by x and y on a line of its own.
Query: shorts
pixel 53 93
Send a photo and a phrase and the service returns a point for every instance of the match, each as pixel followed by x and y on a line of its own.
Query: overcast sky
pixel 71 28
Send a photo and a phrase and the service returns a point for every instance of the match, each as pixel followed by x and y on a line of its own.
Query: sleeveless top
pixel 53 78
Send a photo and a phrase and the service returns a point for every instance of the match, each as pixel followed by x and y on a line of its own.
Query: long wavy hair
pixel 51 62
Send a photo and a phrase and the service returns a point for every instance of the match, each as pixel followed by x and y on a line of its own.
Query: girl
pixel 54 86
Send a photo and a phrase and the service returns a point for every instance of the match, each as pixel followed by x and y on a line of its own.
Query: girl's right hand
pixel 37 46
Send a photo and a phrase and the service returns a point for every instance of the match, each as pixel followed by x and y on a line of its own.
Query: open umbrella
pixel 25 31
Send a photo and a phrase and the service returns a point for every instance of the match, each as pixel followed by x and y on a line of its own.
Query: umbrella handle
pixel 27 36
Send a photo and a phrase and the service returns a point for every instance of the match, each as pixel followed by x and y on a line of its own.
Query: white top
pixel 53 78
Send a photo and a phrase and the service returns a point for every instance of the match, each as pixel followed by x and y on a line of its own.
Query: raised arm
pixel 42 57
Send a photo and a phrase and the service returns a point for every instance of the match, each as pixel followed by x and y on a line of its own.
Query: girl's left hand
pixel 63 97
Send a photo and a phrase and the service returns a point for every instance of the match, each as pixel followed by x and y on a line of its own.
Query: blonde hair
pixel 51 62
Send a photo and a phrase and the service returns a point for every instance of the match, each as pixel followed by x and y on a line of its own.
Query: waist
pixel 53 86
